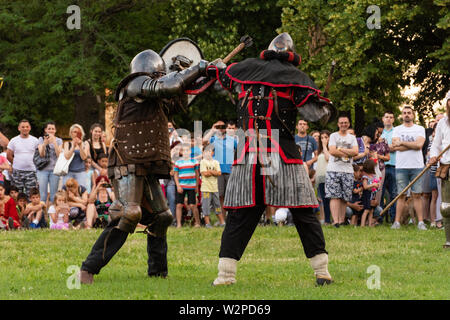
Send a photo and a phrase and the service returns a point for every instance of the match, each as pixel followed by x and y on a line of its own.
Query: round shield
pixel 180 54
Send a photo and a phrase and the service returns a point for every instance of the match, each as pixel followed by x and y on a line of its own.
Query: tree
pixel 372 64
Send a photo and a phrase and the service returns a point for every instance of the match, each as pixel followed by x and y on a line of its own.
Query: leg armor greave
pixel 129 190
pixel 155 202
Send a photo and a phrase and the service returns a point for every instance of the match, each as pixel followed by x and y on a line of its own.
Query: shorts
pixel 339 185
pixel 210 202
pixel 222 181
pixel 426 182
pixel 179 198
pixel 405 176
pixel 433 181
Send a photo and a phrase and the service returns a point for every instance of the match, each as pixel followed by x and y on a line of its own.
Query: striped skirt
pixel 288 187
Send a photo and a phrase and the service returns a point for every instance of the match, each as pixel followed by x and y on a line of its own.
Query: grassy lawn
pixel 412 265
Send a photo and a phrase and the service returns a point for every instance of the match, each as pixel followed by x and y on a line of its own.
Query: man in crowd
pixel 407 140
pixel 440 142
pixel 339 177
pixel 20 154
pixel 224 147
pixel 390 183
pixel 307 143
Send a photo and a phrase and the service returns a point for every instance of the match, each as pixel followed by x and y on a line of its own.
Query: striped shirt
pixel 186 173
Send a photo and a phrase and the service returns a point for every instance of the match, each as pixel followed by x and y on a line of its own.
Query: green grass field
pixel 34 265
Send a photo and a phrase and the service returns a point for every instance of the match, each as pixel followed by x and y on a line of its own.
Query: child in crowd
pixel 210 170
pixel 59 212
pixel 89 174
pixel 102 161
pixel 9 218
pixel 356 195
pixel 186 179
pixel 35 210
pixel 14 192
pixel 370 187
pixel 21 204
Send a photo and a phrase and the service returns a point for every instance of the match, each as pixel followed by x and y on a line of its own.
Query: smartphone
pixel 106 185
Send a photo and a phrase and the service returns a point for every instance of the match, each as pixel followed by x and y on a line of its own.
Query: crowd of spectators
pixel 354 177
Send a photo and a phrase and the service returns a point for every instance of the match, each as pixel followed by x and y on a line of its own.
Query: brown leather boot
pixel 86 277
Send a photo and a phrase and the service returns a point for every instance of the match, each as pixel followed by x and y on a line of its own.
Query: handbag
pixel 62 164
pixel 41 162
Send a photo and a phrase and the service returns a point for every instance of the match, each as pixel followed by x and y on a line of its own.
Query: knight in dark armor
pixel 140 155
pixel 268 169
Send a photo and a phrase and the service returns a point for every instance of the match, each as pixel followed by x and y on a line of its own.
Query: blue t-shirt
pixel 308 145
pixel 356 196
pixel 387 135
pixel 224 151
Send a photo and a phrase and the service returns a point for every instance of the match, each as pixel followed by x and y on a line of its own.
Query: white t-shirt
pixel 60 216
pixel 23 152
pixel 337 164
pixel 409 159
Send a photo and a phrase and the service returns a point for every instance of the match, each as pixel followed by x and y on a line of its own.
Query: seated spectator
pixel 21 204
pixel 9 219
pixel 59 212
pixel 99 201
pixel 35 210
pixel 78 200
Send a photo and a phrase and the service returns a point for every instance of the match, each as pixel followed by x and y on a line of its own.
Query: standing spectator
pixel 6 169
pixel 171 191
pixel 381 152
pixel 440 142
pixel 53 145
pixel 80 149
pixel 4 165
pixel 210 170
pixel 224 146
pixel 186 179
pixel 370 186
pixel 307 143
pixel 430 191
pixel 407 140
pixel 321 169
pixel 390 181
pixel 9 219
pixel 339 177
pixel 97 147
pixel 90 180
pixel 20 153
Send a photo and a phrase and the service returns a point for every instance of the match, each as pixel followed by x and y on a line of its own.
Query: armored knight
pixel 268 170
pixel 140 155
pixel 440 142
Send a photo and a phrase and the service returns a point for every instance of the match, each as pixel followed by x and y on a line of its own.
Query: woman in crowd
pixel 321 169
pixel 52 145
pixel 99 201
pixel 97 146
pixel 80 150
pixel 77 197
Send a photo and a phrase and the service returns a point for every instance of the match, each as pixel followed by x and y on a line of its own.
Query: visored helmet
pixel 148 61
pixel 282 43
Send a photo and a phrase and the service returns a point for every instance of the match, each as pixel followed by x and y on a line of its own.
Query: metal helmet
pixel 282 43
pixel 148 61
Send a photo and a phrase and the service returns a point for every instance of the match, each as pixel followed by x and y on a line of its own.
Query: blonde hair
pixel 76 125
pixel 60 194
